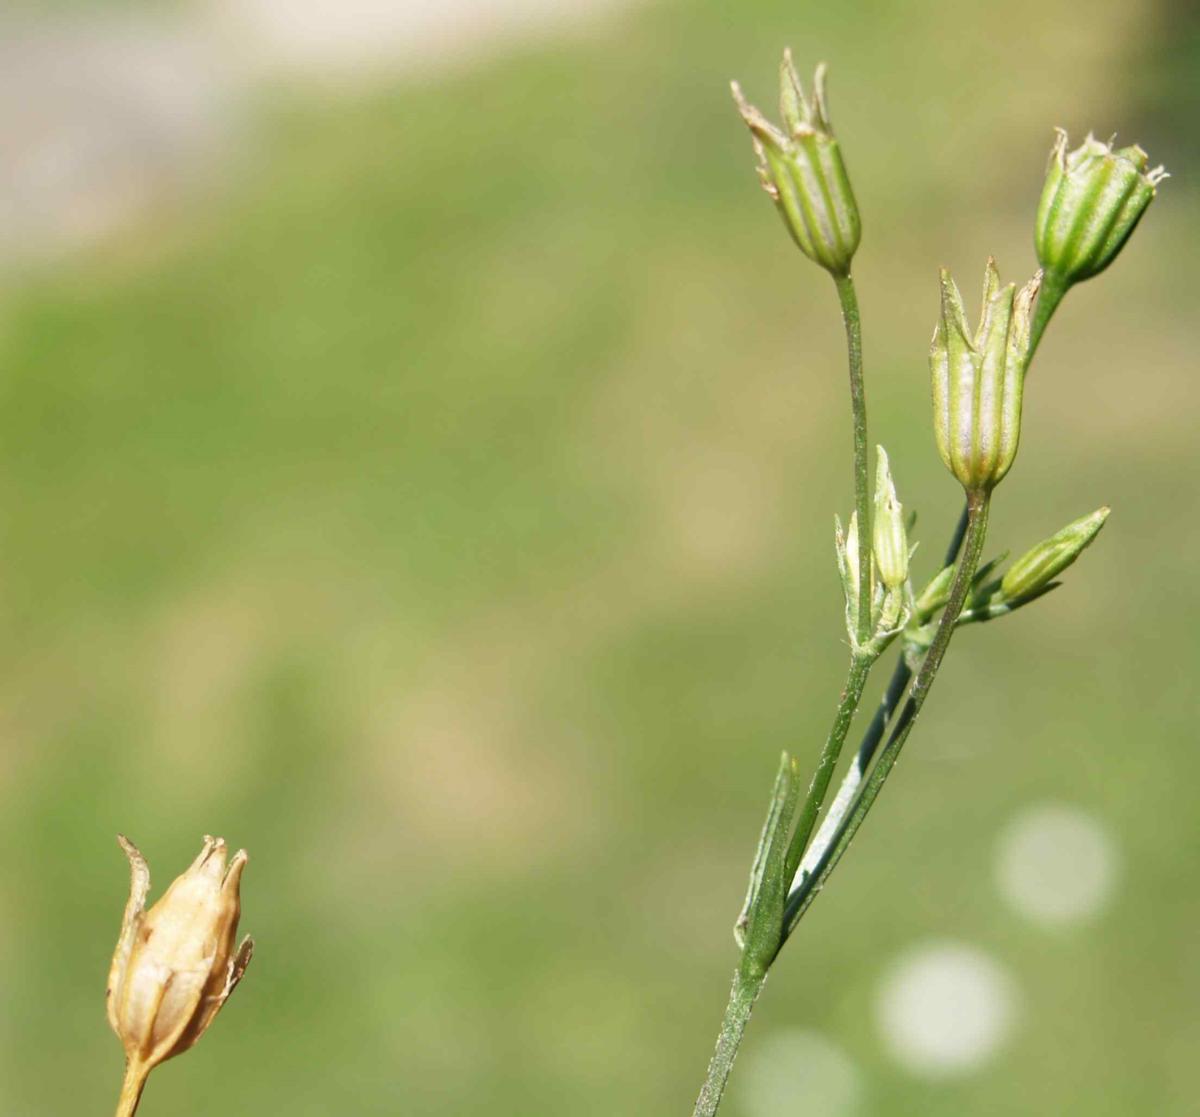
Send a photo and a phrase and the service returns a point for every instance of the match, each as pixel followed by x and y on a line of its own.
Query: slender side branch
pixel 742 996
pixel 856 773
pixel 803 897
pixel 860 668
pixel 862 481
pixel 1051 293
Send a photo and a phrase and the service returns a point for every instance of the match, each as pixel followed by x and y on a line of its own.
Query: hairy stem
pixel 733 1026
pixel 855 775
pixel 862 481
pixel 860 668
pixel 968 563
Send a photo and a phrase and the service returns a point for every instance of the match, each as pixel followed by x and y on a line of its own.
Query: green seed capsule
pixel 978 381
pixel 1093 199
pixel 803 172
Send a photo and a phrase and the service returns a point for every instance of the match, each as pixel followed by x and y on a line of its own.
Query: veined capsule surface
pixel 176 965
pixel 1092 201
pixel 801 168
pixel 978 379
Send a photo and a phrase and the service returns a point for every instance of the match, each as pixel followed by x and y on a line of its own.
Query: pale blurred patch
pixel 1056 864
pixel 945 1009
pixel 105 116
pixel 102 117
pixel 350 41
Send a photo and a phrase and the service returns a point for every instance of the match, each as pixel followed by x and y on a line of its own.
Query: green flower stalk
pixel 977 381
pixel 1034 571
pixel 802 170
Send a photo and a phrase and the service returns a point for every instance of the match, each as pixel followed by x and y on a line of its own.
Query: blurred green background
pixel 440 507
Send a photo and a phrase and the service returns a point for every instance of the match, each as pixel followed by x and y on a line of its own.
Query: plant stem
pixel 860 668
pixel 742 996
pixel 746 987
pixel 1051 293
pixel 900 678
pixel 862 481
pixel 131 1089
pixel 802 898
pixel 855 774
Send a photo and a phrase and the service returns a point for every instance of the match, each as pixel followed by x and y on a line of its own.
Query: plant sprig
pixel 1091 202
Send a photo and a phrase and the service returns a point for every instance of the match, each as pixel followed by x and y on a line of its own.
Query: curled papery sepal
pixel 1092 200
pixel 801 168
pixel 978 379
pixel 1040 565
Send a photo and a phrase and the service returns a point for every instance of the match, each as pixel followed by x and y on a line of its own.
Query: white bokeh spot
pixel 945 1008
pixel 1056 864
pixel 796 1072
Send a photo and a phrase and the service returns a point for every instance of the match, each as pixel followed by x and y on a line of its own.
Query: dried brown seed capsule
pixel 175 965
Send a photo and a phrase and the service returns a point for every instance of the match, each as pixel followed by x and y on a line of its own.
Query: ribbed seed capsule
pixel 1040 565
pixel 176 964
pixel 802 170
pixel 978 381
pixel 1093 199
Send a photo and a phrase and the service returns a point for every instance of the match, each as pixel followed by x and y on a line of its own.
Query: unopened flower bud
pixel 1093 198
pixel 176 964
pixel 801 168
pixel 1038 567
pixel 978 381
pixel 890 538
